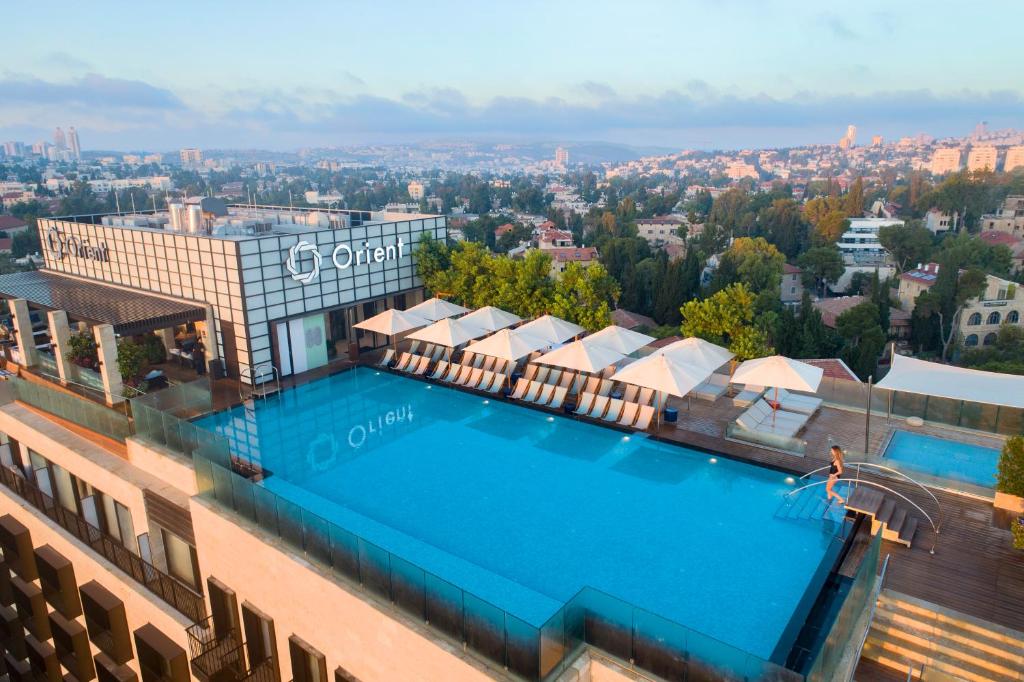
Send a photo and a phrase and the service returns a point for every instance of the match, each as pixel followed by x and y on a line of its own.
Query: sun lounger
pixel 554 377
pixel 746 397
pixel 428 350
pixel 646 394
pixel 644 416
pixel 497 384
pixel 558 398
pixel 542 374
pixel 414 347
pixel 472 377
pixel 599 407
pixel 614 410
pixel 478 361
pixel 531 371
pixel 440 370
pixel 605 387
pixel 592 384
pixel 438 353
pixel 533 391
pixel 414 363
pixel 712 388
pixel 629 413
pixel 389 355
pixel 567 380
pixel 404 360
pixel 584 403
pixel 485 380
pixel 520 389
pixel 763 408
pixel 421 366
pixel 452 372
pixel 794 402
pixel 489 363
pixel 629 395
pixel 546 392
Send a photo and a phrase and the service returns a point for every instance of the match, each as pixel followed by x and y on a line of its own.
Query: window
pixel 181 558
pixel 974 319
pixel 994 317
pixel 971 340
pixel 308 664
pixel 990 338
pixel 1013 317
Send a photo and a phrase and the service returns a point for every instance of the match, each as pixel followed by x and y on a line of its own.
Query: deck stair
pixel 811 505
pixel 886 514
pixel 940 644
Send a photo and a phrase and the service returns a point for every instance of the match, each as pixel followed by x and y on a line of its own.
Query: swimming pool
pixel 944 458
pixel 523 509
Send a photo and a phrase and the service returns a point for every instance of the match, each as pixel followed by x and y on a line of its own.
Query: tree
pixel 821 265
pixel 863 338
pixel 585 295
pixel 907 244
pixel 946 299
pixel 783 225
pixel 817 208
pixel 831 227
pixel 853 202
pixel 680 283
pixel 752 262
pixel 727 318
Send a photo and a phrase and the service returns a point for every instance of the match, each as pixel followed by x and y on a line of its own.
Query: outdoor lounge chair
pixel 592 384
pixel 554 377
pixel 413 347
pixel 486 379
pixel 605 387
pixel 629 413
pixel 461 375
pixel 629 395
pixel 472 377
pixel 794 402
pixel 712 388
pixel 478 361
pixel 403 361
pixel 389 355
pixel 452 373
pixel 498 383
pixel 614 410
pixel 558 398
pixel 599 407
pixel 415 362
pixel 542 374
pixel 531 371
pixel 520 389
pixel 643 419
pixel 489 363
pixel 437 354
pixel 646 394
pixel 422 365
pixel 545 394
pixel 746 397
pixel 584 404
pixel 532 392
pixel 764 410
pixel 567 380
pixel 428 350
pixel 440 370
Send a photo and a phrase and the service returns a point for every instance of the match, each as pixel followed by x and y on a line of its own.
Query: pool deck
pixel 974 569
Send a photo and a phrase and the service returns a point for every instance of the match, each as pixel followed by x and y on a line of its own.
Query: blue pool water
pixel 944 458
pixel 523 509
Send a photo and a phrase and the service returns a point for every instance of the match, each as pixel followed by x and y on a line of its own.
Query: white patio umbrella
pixel 492 319
pixel 778 372
pixel 664 374
pixel 552 329
pixel 437 309
pixel 581 357
pixel 697 351
pixel 507 344
pixel 448 332
pixel 392 322
pixel 618 338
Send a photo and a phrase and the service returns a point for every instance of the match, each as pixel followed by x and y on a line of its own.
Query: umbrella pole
pixel 775 405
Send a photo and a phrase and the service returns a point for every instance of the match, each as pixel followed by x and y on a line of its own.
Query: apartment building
pixel 982 158
pixel 1009 218
pixel 660 230
pixel 945 160
pixel 859 245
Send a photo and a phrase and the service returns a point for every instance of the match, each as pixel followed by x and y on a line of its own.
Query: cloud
pixel 63 61
pixel 838 27
pixel 134 114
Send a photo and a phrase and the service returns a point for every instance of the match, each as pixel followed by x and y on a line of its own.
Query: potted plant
pixel 1010 476
pixel 82 350
pixel 131 359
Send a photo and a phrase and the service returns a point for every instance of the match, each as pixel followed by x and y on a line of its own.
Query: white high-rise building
pixel 59 141
pixel 851 135
pixel 191 156
pixel 982 158
pixel 73 144
pixel 945 160
pixel 562 156
pixel 1014 158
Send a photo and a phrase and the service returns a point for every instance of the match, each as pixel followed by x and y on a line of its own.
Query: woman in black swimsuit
pixel 835 470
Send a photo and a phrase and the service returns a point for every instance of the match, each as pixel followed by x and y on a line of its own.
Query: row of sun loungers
pixel 759 418
pixel 469 376
pixel 617 410
pixel 545 395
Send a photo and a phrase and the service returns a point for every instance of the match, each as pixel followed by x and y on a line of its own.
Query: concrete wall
pixel 346 628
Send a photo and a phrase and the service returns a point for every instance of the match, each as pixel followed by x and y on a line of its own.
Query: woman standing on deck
pixel 835 470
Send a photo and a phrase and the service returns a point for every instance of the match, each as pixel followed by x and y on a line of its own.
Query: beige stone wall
pixel 348 630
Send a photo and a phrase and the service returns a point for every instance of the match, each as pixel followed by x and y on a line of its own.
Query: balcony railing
pixel 222 658
pixel 171 590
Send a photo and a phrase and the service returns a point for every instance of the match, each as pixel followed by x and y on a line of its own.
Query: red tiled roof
pixel 660 220
pixel 9 222
pixel 832 308
pixel 925 275
pixel 554 235
pixel 994 237
pixel 630 320
pixel 788 269
pixel 834 368
pixel 546 225
pixel 5 243
pixel 564 254
pixel 661 343
pixel 503 229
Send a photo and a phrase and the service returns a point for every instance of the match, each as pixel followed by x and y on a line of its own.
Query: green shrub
pixel 82 350
pixel 1017 528
pixel 131 358
pixel 1010 476
pixel 154 348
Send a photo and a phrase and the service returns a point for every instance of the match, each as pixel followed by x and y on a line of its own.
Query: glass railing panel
pixel 943 411
pixel 522 643
pixel 408 588
pixel 289 522
pixel 374 569
pixel 554 647
pixel 485 628
pixel 444 606
pixel 344 552
pixel 242 494
pixel 660 646
pixel 607 622
pixel 265 505
pixel 1010 421
pixel 316 537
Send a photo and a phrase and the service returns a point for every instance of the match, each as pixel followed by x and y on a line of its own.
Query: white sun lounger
pixel 440 370
pixel 486 379
pixel 488 363
pixel 542 374
pixel 428 350
pixel 545 394
pixel 599 407
pixel 643 419
pixel 712 388
pixel 404 360
pixel 629 395
pixel 531 371
pixel 520 389
pixel 413 347
pixel 478 361
pixel 746 397
pixel 614 410
pixel 629 413
pixel 605 387
pixel 646 394
pixel 584 403
pixel 592 385
pixel 532 392
pixel 389 355
pixel 438 353
pixel 553 378
pixel 499 381
pixel 471 378
pixel 422 365
pixel 795 402
pixel 558 398
pixel 567 379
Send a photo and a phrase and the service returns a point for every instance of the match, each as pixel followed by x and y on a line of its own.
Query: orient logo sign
pixel 63 246
pixel 343 256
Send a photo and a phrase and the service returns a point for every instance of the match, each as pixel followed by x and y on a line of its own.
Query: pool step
pixel 942 644
pixel 892 519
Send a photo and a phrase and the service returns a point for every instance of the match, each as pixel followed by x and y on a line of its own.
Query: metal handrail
pixel 930 494
pixel 260 371
pixel 857 482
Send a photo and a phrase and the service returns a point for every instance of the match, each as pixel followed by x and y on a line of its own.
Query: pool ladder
pixel 263 380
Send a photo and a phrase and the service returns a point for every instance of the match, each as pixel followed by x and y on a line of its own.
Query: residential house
pixel 552 238
pixel 913 282
pixel 12 225
pixel 562 256
pixel 1014 243
pixel 791 290
pixel 832 308
pixel 660 230
pixel 938 222
pixel 1009 218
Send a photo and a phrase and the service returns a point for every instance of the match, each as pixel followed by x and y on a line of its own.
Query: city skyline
pixel 653 74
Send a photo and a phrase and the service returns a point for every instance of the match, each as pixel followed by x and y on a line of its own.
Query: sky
pixel 687 74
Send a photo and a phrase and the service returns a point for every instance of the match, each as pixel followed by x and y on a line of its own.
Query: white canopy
pixel 957 383
pixel 779 372
pixel 581 357
pixel 507 344
pixel 664 374
pixel 696 351
pixel 448 332
pixel 436 309
pixel 551 328
pixel 391 322
pixel 492 319
pixel 618 338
